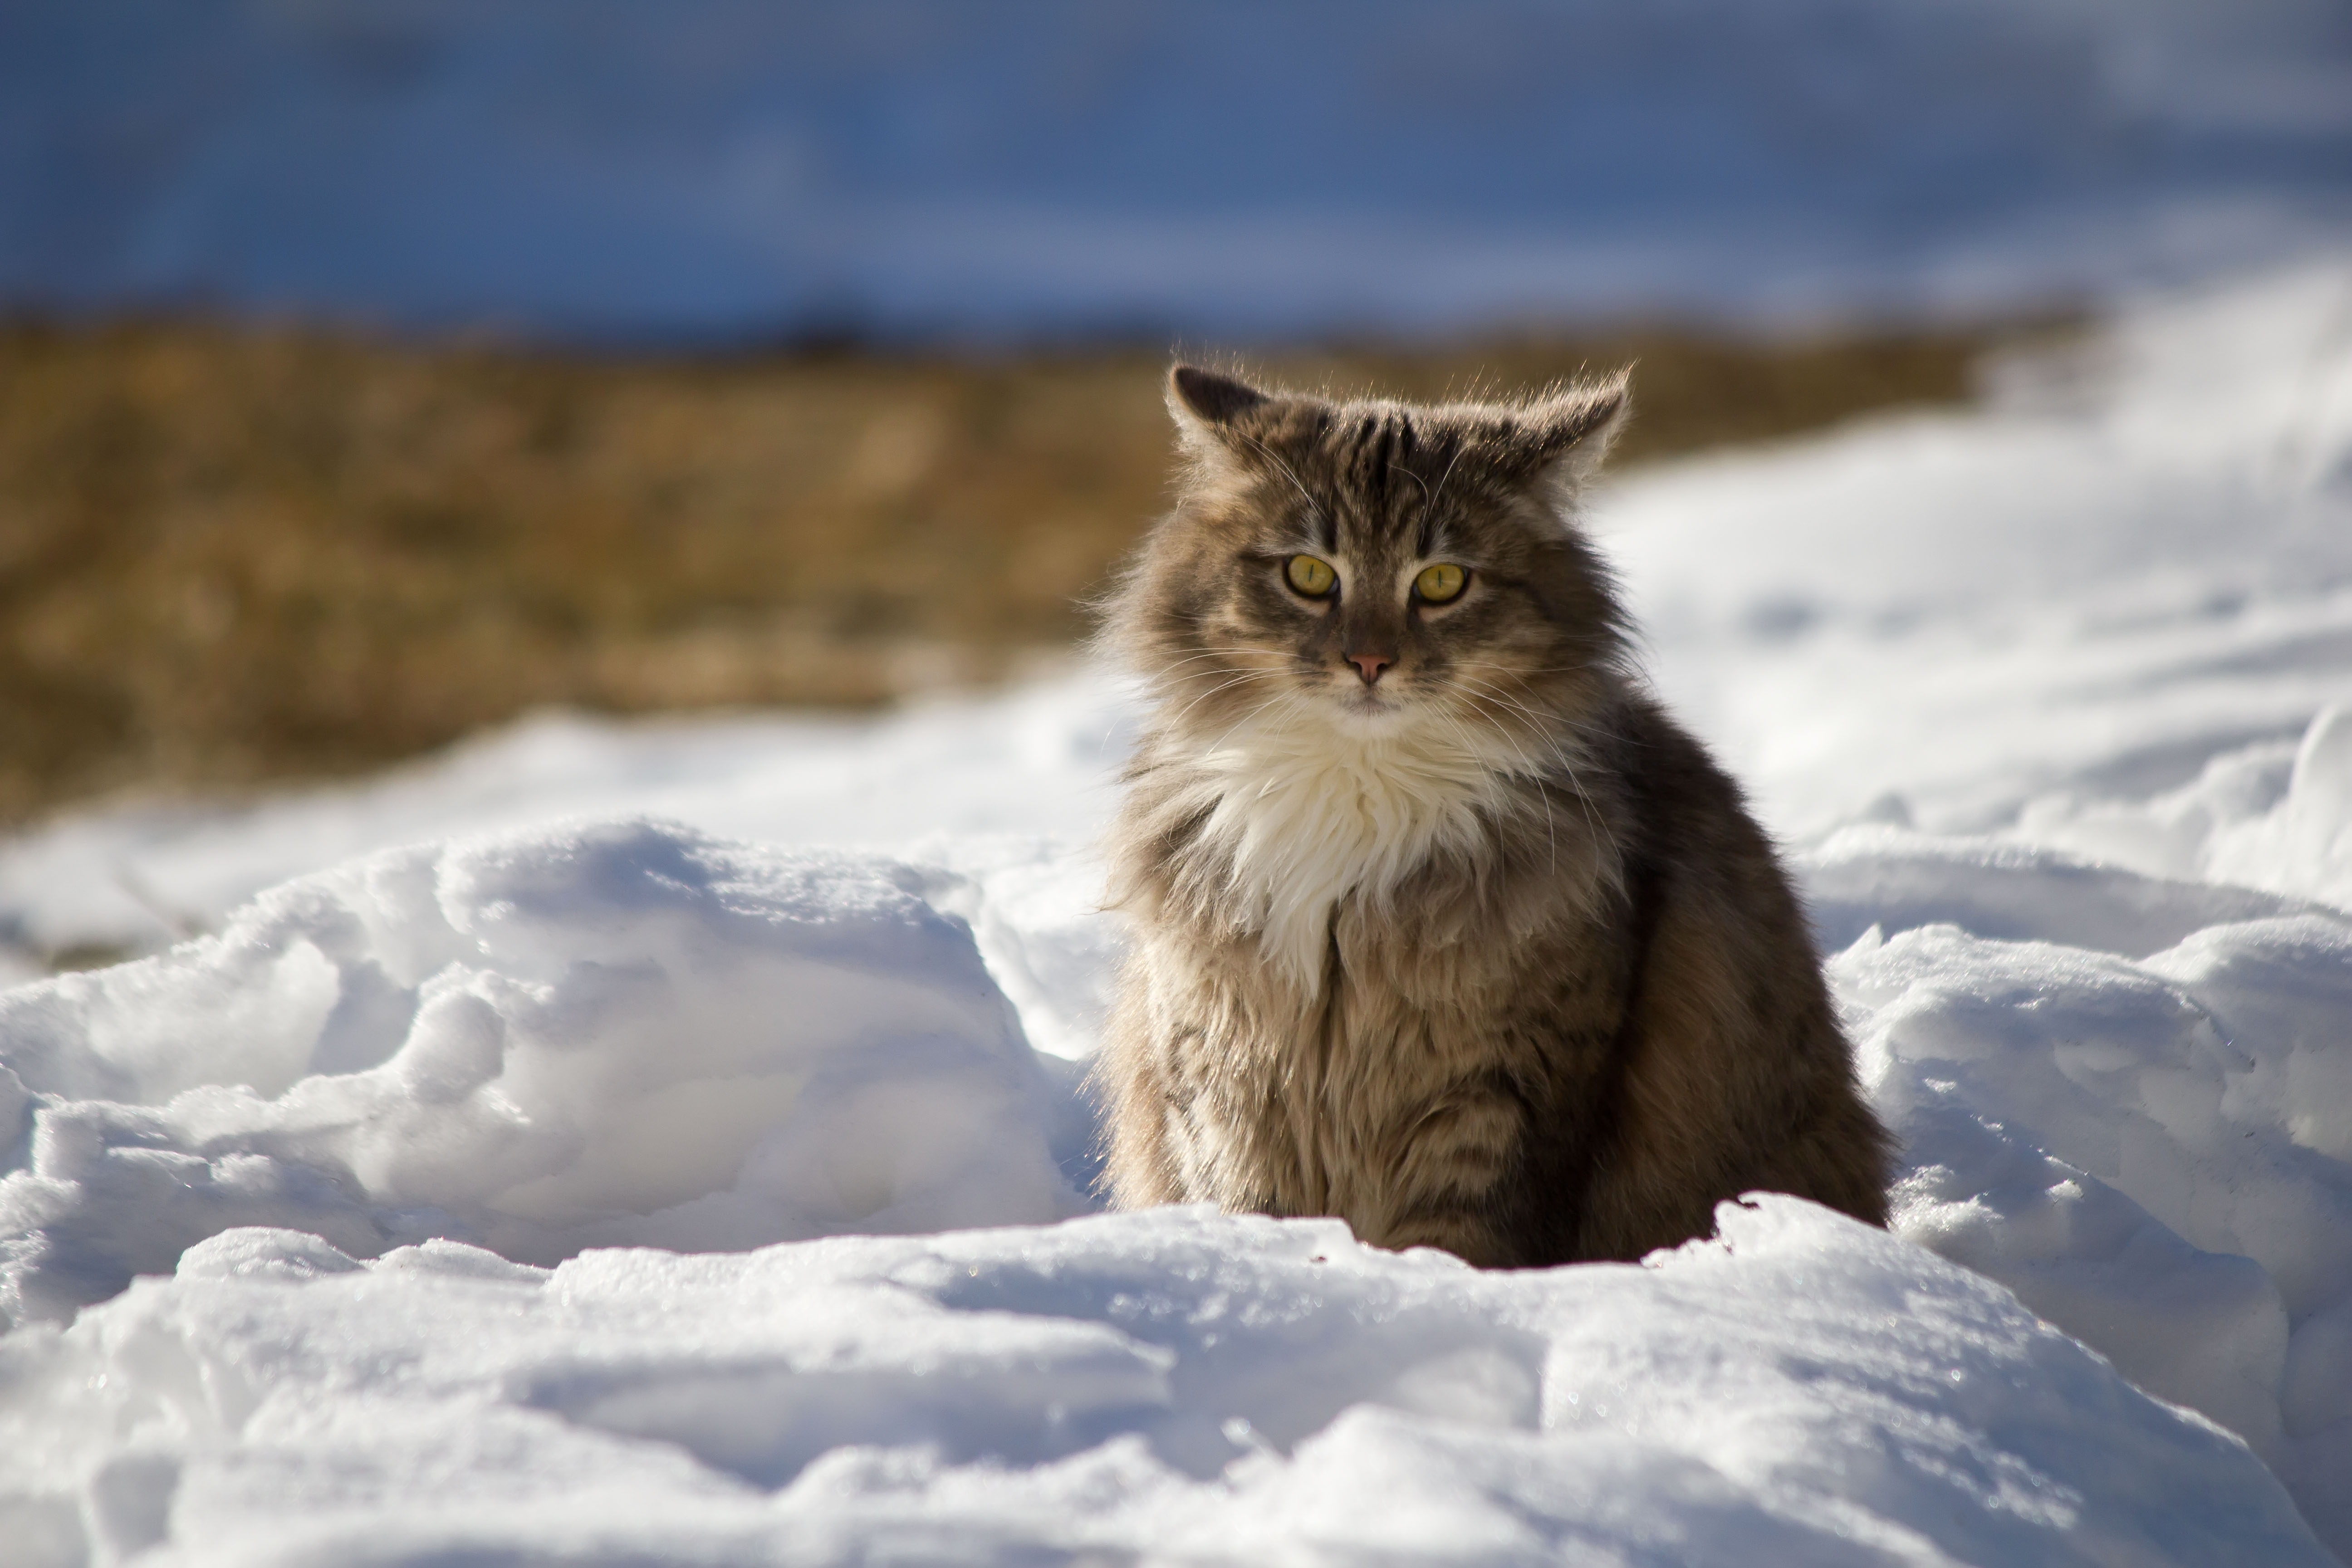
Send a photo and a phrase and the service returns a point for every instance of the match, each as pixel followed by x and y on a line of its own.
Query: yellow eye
pixel 1310 576
pixel 1441 583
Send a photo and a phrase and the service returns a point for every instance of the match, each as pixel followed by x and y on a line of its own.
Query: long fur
pixel 1477 948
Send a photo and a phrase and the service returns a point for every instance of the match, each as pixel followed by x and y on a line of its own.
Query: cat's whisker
pixel 1180 688
pixel 1512 736
pixel 1247 675
pixel 1542 720
pixel 1196 658
pixel 1520 672
pixel 1544 795
pixel 1460 446
pixel 1167 678
pixel 1289 700
pixel 1576 782
pixel 1175 720
pixel 1551 837
pixel 1524 671
pixel 1180 683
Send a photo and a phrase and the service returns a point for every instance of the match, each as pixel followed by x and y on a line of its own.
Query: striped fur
pixel 1483 953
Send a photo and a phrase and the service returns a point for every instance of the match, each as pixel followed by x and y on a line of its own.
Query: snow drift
pixel 589 1036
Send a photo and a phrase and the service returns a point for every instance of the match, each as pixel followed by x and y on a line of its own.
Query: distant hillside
pixel 228 556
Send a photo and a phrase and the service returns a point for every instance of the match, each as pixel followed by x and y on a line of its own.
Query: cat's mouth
pixel 1369 706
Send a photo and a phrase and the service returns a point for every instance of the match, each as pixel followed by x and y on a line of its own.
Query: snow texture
pixel 595 1036
pixel 1170 1386
pixel 2051 701
pixel 714 169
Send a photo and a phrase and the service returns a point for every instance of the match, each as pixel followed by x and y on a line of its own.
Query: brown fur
pixel 1485 954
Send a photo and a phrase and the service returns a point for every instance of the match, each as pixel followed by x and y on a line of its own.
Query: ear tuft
pixel 1209 398
pixel 1570 433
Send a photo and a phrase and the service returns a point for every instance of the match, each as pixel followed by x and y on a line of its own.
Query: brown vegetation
pixel 228 556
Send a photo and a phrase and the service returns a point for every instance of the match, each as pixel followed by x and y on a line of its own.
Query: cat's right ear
pixel 1197 396
pixel 1210 410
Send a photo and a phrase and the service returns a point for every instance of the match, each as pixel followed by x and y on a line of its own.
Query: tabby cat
pixel 1440 923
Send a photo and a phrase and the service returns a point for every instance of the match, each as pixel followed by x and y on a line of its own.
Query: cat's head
pixel 1375 569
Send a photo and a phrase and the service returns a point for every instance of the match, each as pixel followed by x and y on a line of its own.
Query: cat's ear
pixel 1560 441
pixel 1212 412
pixel 1197 396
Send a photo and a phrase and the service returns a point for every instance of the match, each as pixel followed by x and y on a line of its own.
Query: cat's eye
pixel 1310 576
pixel 1441 583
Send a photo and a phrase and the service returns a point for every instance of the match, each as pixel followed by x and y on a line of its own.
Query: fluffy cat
pixel 1440 925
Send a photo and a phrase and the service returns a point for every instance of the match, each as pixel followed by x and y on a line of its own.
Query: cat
pixel 1439 923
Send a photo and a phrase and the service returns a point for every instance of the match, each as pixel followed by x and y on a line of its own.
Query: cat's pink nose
pixel 1370 665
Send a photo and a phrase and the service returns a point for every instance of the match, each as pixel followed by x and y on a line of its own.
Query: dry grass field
pixel 230 555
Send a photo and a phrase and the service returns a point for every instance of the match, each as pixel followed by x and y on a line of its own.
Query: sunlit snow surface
pixel 2052 703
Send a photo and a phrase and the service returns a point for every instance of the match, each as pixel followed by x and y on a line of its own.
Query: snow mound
pixel 2153 1154
pixel 1171 1386
pixel 623 1033
pixel 2129 1097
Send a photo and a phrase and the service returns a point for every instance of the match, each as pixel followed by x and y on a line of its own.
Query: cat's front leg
pixel 1440 1182
pixel 1176 1136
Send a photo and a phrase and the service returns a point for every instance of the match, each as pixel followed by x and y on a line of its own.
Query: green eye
pixel 1441 583
pixel 1310 576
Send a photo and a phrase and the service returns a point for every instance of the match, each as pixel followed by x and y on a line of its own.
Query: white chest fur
pixel 1303 817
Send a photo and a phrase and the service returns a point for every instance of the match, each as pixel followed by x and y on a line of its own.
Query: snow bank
pixel 2152 1154
pixel 2136 560
pixel 1172 1386
pixel 623 1033
pixel 615 168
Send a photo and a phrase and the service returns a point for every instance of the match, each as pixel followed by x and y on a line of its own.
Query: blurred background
pixel 372 371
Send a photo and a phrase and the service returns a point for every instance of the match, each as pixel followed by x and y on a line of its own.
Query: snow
pixel 626 1142
pixel 724 169
pixel 1175 1385
pixel 593 1035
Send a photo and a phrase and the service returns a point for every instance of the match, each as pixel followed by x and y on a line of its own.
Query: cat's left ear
pixel 1562 441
